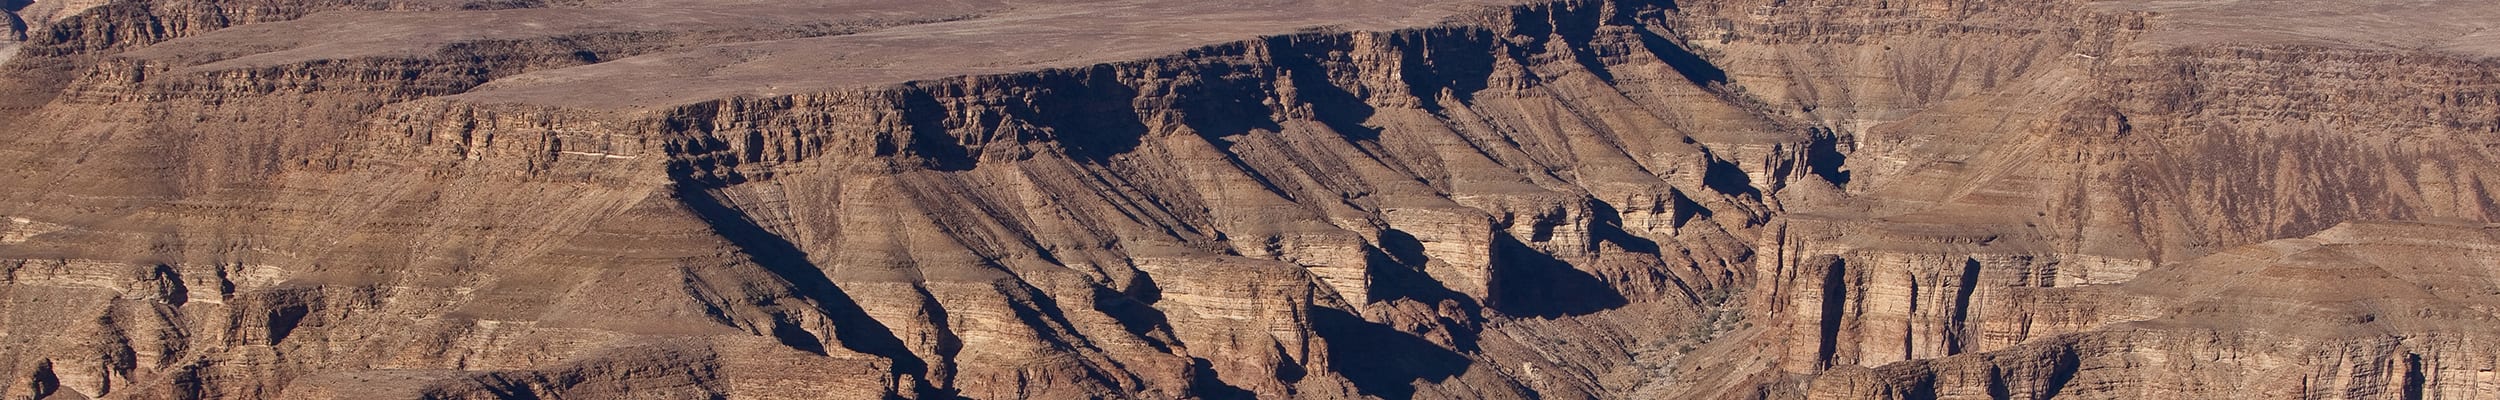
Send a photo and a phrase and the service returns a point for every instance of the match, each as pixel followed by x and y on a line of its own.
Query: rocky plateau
pixel 1496 199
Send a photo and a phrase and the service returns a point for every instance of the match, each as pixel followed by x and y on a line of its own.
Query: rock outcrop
pixel 1321 199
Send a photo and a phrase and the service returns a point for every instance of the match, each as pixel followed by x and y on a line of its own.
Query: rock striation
pixel 1274 199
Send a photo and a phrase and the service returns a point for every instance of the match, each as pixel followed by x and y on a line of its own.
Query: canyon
pixel 880 199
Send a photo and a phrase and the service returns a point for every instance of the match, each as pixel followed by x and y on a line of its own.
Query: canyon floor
pixel 990 199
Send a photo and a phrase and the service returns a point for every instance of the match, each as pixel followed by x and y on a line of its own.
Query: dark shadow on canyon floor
pixel 1728 178
pixel 1824 159
pixel 1205 384
pixel 1528 282
pixel 1381 360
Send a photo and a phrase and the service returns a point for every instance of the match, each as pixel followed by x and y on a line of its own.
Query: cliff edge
pixel 1271 199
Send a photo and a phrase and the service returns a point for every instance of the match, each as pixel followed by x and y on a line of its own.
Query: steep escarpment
pixel 1322 214
pixel 1603 199
pixel 1993 221
pixel 1392 214
pixel 2363 310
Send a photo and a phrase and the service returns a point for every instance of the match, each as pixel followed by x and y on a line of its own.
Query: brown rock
pixel 1322 199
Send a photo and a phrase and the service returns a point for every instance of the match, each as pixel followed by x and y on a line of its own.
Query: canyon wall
pixel 1581 199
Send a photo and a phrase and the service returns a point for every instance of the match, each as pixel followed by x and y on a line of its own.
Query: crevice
pixel 170 286
pixel 1997 387
pixel 2414 378
pixel 2063 371
pixel 1922 387
pixel 44 382
pixel 949 345
pixel 1684 209
pixel 1835 297
pixel 284 318
pixel 1957 332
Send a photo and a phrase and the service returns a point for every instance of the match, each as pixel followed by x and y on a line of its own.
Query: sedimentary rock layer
pixel 1323 199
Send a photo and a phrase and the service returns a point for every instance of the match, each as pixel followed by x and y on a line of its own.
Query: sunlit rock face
pixel 1282 199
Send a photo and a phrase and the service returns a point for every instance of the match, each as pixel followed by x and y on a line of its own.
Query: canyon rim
pixel 1052 199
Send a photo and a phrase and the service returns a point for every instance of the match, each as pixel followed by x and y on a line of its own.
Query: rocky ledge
pixel 1293 198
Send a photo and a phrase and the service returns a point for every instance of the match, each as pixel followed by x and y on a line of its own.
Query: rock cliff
pixel 1291 198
